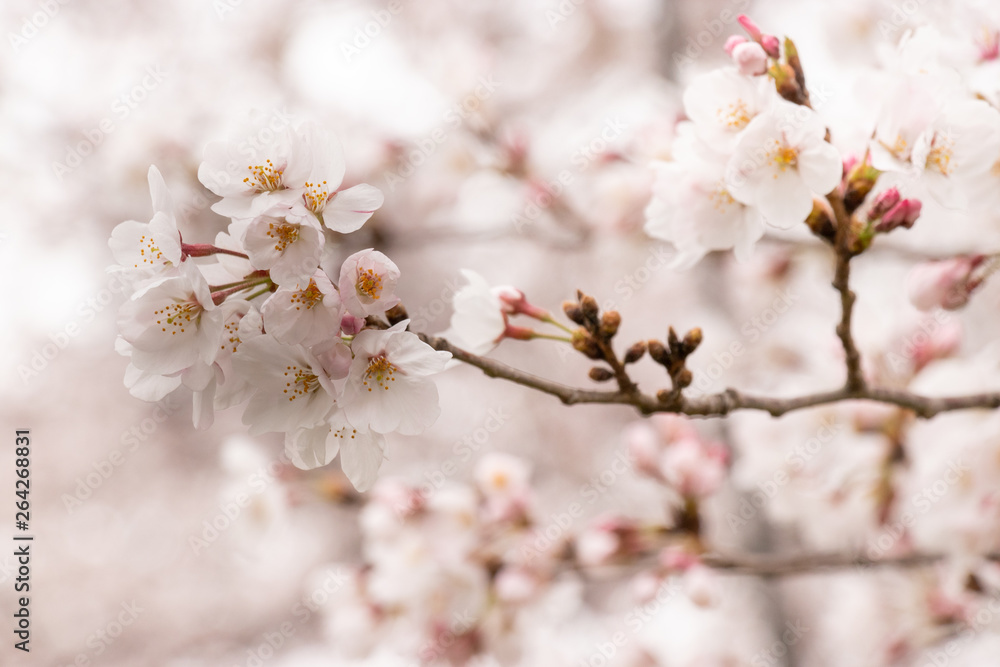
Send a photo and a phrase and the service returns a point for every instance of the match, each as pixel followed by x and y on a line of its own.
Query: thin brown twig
pixel 722 403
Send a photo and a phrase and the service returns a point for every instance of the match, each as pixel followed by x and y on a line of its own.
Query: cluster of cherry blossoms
pixel 754 153
pixel 276 316
pixel 459 570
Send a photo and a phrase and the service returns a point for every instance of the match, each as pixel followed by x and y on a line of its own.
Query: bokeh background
pixel 465 114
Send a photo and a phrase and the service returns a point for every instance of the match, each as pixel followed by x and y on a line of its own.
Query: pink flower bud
pixel 883 202
pixel 513 302
pixel 903 214
pixel 351 325
pixel 750 59
pixel 749 26
pixel 771 45
pixel 733 42
pixel 940 343
pixel 946 284
pixel 849 163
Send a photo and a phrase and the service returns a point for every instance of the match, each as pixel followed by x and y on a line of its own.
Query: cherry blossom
pixel 478 322
pixel 172 323
pixel 306 312
pixel 361 452
pixel 145 249
pixel 287 245
pixel 368 283
pixel 293 390
pixel 781 161
pixel 389 388
pixel 722 102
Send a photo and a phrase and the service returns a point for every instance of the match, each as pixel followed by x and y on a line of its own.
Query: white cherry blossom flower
pixel 389 388
pixel 781 161
pixel 148 248
pixel 368 283
pixel 721 103
pixel 693 209
pixel 172 323
pixel 293 390
pixel 286 244
pixel 478 322
pixel 307 312
pixel 361 452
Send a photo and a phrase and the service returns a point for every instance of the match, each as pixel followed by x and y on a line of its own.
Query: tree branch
pixel 841 282
pixel 771 566
pixel 722 403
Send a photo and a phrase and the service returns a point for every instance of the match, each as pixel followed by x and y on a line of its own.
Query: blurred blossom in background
pixel 514 138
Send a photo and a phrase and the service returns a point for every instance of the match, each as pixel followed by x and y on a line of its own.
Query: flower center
pixel 721 199
pixel 369 284
pixel 940 156
pixel 345 433
pixel 283 234
pixel 736 116
pixel 308 297
pixel 230 337
pixel 783 157
pixel 316 196
pixel 380 372
pixel 899 147
pixel 153 256
pixel 300 382
pixel 264 177
pixel 178 316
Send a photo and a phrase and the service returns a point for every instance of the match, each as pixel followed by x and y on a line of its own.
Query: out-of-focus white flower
pixel 959 144
pixel 693 467
pixel 293 390
pixel 721 103
pixel 606 539
pixel 368 283
pixel 172 323
pixel 145 249
pixel 389 388
pixel 305 313
pixel 286 244
pixel 361 453
pixel 782 160
pixel 693 209
pixel 478 322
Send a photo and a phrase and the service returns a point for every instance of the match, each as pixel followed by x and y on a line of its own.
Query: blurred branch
pixel 722 403
pixel 771 566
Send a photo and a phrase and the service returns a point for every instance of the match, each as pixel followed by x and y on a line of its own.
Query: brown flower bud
pixel 664 395
pixel 588 305
pixel 610 321
pixel 582 342
pixel 634 353
pixel 573 312
pixel 683 379
pixel 396 314
pixel 692 340
pixel 598 374
pixel 658 352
